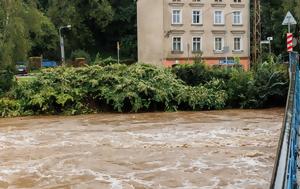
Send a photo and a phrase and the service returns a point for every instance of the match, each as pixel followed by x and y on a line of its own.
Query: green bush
pixel 9 108
pixel 6 79
pixel 113 88
pixel 193 74
pixel 81 54
pixel 266 86
pixel 104 61
pixel 139 87
pixel 269 87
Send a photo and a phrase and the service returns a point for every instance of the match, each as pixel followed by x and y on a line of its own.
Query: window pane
pixel 176 44
pixel 237 17
pixel 196 44
pixel 218 17
pixel 218 44
pixel 176 14
pixel 196 17
pixel 237 43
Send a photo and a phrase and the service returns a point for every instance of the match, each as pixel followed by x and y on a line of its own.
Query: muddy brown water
pixel 230 149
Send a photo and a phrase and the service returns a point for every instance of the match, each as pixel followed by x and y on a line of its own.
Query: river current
pixel 231 149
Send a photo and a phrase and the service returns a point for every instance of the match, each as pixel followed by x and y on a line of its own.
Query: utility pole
pixel 256 51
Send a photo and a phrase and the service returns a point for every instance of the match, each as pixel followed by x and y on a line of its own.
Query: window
pixel 197 18
pixel 237 1
pixel 237 46
pixel 176 0
pixel 177 46
pixel 196 0
pixel 218 43
pixel 237 17
pixel 196 44
pixel 218 17
pixel 176 17
pixel 218 1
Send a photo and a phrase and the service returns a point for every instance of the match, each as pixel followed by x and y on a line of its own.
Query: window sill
pixel 237 25
pixel 196 24
pixel 177 25
pixel 218 51
pixel 176 4
pixel 196 52
pixel 219 24
pixel 237 51
pixel 177 52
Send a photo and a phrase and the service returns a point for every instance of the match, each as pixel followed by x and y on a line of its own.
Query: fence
pixel 285 169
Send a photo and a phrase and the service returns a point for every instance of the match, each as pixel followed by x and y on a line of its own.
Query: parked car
pixel 22 69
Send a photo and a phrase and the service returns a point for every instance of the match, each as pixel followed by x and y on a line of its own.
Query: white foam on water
pixel 200 164
pixel 188 185
pixel 114 182
pixel 240 183
pixel 247 162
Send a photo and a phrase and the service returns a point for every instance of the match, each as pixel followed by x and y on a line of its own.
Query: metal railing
pixel 285 169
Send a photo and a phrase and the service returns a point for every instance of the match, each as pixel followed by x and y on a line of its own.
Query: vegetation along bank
pixel 142 88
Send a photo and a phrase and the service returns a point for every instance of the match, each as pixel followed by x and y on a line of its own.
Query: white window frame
pixel 181 44
pixel 200 17
pixel 222 17
pixel 194 50
pixel 222 44
pixel 241 44
pixel 241 18
pixel 180 16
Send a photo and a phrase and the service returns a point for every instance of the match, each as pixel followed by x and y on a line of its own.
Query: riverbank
pixel 187 150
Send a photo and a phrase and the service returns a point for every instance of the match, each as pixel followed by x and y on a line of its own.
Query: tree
pixel 15 35
pixel 15 41
pixel 88 19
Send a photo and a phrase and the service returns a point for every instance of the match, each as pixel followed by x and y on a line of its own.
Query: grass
pixel 21 79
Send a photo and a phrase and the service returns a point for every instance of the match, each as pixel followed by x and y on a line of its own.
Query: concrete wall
pixel 150 31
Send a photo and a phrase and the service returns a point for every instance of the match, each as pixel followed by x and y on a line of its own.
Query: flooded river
pixel 232 149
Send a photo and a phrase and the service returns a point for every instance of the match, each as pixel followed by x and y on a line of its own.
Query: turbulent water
pixel 231 149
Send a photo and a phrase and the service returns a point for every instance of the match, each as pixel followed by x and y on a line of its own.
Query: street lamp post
pixel 270 45
pixel 61 39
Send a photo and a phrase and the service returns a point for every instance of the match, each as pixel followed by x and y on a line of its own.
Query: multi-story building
pixel 176 31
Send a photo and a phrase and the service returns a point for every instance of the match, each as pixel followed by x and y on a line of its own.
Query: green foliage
pixel 15 32
pixel 104 61
pixel 9 108
pixel 238 86
pixel 192 74
pixel 6 78
pixel 87 18
pixel 81 54
pixel 114 87
pixel 270 86
pixel 139 87
pixel 128 46
pixel 266 86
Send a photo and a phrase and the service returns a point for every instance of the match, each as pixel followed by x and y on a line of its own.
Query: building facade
pixel 177 31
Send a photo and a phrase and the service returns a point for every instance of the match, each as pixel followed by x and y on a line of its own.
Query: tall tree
pixel 88 19
pixel 18 20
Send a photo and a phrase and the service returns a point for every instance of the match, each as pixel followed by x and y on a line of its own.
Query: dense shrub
pixel 9 108
pixel 139 87
pixel 81 54
pixel 104 61
pixel 115 87
pixel 192 74
pixel 6 79
pixel 264 87
pixel 269 86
